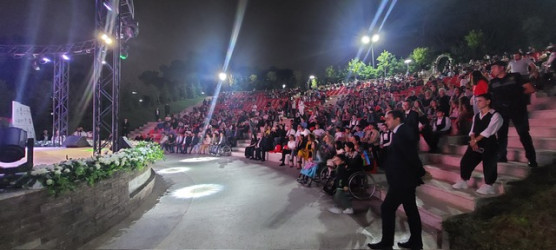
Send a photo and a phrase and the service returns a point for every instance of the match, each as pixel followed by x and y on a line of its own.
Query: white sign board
pixel 21 118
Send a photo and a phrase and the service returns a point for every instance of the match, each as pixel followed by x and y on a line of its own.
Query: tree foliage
pixel 421 58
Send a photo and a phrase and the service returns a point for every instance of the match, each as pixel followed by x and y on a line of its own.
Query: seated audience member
pixel 250 150
pixel 343 171
pixel 440 126
pixel 291 146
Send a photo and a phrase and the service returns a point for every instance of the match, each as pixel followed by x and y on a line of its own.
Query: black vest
pixel 442 124
pixel 480 125
pixel 386 137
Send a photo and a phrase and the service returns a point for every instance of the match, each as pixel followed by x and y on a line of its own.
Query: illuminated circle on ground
pixel 173 170
pixel 197 191
pixel 199 159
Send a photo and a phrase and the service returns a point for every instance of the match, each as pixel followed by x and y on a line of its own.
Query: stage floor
pixel 51 155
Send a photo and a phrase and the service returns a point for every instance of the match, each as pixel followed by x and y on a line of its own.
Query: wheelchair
pixel 221 150
pixel 361 184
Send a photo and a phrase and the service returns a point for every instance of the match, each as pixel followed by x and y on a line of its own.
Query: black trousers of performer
pixel 260 154
pixel 405 197
pixel 489 157
pixel 284 153
pixel 520 120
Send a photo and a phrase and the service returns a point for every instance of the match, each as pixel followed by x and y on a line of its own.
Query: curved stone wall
pixel 33 219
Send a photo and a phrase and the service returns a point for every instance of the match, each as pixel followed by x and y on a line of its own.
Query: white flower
pixel 67 170
pixel 97 165
pixel 49 182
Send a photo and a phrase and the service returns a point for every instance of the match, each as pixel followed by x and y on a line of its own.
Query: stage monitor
pixel 125 143
pixel 74 141
pixel 12 144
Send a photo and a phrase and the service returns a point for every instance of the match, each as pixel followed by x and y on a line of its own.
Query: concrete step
pixel 451 175
pixel 545 114
pixel 541 122
pixel 549 132
pixel 544 157
pixel 514 169
pixel 542 103
pixel 443 191
pixel 539 143
pixel 432 210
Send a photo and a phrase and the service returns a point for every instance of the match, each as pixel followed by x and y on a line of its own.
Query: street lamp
pixel 407 62
pixel 365 39
pixel 374 39
pixel 283 86
pixel 222 76
pixel 311 77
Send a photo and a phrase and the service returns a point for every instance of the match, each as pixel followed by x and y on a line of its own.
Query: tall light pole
pixel 374 39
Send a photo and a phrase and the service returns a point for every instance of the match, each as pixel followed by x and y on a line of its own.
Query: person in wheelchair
pixel 341 196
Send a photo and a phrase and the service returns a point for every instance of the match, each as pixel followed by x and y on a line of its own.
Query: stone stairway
pixel 437 200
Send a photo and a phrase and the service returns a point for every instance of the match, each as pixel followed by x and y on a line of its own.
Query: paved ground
pixel 234 203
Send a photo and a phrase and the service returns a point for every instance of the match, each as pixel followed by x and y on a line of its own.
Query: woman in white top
pixel 291 146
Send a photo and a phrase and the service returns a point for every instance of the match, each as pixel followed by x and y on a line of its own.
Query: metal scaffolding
pixel 60 97
pixel 115 18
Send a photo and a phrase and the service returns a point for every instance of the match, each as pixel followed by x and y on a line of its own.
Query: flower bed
pixel 65 176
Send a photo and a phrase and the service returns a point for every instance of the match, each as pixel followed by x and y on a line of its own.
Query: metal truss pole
pixel 107 80
pixel 60 97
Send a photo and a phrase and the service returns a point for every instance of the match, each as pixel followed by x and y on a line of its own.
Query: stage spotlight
pixel 222 76
pixel 103 62
pixel 104 37
pixel 124 53
pixel 45 60
pixel 35 65
pixel 65 57
pixel 107 5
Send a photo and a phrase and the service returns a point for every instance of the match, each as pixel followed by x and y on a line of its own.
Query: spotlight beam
pixel 240 13
pixel 387 14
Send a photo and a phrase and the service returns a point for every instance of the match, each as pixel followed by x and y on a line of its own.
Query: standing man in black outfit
pixel 483 146
pixel 510 95
pixel 403 172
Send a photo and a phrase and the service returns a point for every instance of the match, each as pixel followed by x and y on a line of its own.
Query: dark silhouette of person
pixel 403 172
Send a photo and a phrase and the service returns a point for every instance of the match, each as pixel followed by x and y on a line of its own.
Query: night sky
pixel 298 34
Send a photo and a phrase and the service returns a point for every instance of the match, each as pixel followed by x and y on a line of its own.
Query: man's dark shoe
pixel 532 164
pixel 379 245
pixel 282 164
pixel 409 245
pixel 502 160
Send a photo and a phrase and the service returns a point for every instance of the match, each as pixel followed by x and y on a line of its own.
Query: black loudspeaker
pixel 74 141
pixel 12 144
pixel 125 143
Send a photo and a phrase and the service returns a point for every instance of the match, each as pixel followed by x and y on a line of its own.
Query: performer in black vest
pixel 510 94
pixel 482 147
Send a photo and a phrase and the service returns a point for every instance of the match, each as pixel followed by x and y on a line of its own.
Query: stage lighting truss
pixel 107 83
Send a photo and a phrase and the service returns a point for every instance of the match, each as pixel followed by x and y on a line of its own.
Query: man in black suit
pixel 411 117
pixel 403 172
pixel 187 142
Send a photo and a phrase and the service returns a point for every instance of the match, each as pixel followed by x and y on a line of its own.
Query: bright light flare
pixel 46 60
pixel 365 39
pixel 197 191
pixel 65 57
pixel 104 37
pixel 222 76
pixel 199 159
pixel 175 170
pixel 107 5
pixel 311 77
pixel 375 38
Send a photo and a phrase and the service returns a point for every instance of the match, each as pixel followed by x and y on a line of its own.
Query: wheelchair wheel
pixel 361 185
pixel 225 151
pixel 322 175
